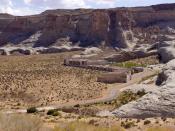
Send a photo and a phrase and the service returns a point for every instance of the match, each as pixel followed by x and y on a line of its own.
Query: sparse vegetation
pixel 160 129
pixel 128 96
pixel 124 98
pixel 130 64
pixel 19 123
pixel 141 62
pixel 127 124
pixel 80 126
pixel 41 80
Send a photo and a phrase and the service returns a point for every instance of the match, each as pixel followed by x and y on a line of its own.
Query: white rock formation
pixel 157 103
pixel 92 50
pixel 166 53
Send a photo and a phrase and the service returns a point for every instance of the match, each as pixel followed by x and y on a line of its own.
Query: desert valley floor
pixel 41 80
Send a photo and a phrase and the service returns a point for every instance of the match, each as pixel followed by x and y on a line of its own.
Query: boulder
pixel 159 103
pixel 167 76
pixel 166 44
pixel 4 52
pixel 170 30
pixel 21 51
pixel 92 50
pixel 166 54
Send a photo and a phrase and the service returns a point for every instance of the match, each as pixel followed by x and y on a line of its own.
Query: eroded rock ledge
pixel 157 103
pixel 119 27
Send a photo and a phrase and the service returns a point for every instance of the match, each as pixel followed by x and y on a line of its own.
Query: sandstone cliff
pixel 119 27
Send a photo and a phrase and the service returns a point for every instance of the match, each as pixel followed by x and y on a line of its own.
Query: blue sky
pixel 28 7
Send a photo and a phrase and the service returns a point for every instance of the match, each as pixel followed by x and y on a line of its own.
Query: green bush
pixel 53 112
pixel 128 96
pixel 77 106
pixel 163 118
pixel 56 114
pixel 147 122
pixel 127 124
pixel 32 110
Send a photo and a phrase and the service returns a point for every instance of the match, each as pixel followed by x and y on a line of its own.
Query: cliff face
pixel 120 27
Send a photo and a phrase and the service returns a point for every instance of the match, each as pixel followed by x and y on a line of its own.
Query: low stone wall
pixel 76 62
pixel 106 68
pixel 114 74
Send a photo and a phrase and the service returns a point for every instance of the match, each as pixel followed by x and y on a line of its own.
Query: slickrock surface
pixel 157 103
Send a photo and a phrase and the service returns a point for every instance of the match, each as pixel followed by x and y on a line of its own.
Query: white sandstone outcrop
pixel 166 54
pixel 157 103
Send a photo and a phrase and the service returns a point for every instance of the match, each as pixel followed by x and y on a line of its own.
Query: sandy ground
pixel 42 80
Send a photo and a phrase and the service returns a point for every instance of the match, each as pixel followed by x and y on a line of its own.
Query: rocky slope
pixel 158 102
pixel 119 27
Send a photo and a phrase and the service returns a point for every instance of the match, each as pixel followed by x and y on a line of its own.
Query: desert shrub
pixel 163 118
pixel 81 126
pixel 77 106
pixel 127 124
pixel 32 110
pixel 19 123
pixel 125 97
pixel 146 122
pixel 53 112
pixel 157 122
pixel 128 96
pixel 138 120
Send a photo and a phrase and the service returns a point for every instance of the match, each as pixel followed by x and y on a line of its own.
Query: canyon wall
pixel 119 27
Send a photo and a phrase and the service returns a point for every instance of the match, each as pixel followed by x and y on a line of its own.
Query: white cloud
pixel 58 3
pixel 5 6
pixel 28 7
pixel 27 1
pixel 104 3
pixel 71 4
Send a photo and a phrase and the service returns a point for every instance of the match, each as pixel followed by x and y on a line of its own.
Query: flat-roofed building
pixel 76 62
pixel 115 77
pixel 83 62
